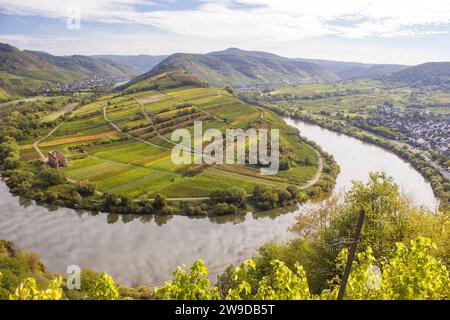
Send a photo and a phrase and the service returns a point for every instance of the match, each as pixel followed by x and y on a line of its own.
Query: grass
pixel 126 166
pixel 357 95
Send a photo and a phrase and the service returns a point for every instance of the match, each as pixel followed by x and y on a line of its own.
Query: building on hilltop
pixel 57 160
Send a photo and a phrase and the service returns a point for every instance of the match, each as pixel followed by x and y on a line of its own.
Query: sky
pixel 374 31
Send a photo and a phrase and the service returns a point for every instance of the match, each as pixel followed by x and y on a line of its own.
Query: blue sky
pixel 381 31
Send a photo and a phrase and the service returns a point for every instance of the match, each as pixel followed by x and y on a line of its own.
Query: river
pixel 142 250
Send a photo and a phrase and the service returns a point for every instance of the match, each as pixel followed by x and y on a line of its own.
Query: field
pixel 123 143
pixel 348 97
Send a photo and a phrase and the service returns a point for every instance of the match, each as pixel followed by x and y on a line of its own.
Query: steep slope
pixel 427 74
pixel 88 66
pixel 356 70
pixel 22 71
pixel 139 63
pixel 234 67
pixel 26 72
pixel 161 80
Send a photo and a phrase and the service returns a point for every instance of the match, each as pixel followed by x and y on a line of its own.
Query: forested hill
pixel 427 74
pixel 235 67
pixel 23 71
pixel 88 66
pixel 139 63
pixel 357 70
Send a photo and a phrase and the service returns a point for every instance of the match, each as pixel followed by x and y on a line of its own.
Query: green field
pixel 138 161
pixel 355 96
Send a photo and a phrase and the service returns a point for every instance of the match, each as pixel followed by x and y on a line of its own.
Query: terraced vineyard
pixel 122 143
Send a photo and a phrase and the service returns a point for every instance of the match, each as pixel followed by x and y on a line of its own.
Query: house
pixel 57 160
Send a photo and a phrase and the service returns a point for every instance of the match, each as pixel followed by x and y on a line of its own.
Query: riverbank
pixel 437 180
pixel 82 195
pixel 439 183
pixel 36 181
pixel 138 249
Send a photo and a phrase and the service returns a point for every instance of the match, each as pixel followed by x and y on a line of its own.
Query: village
pixel 424 130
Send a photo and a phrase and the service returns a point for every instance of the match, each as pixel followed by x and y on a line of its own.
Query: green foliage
pixel 234 195
pixel 161 204
pixel 28 290
pixel 323 232
pixel 236 68
pixel 16 265
pixel 51 177
pixel 229 90
pixel 224 209
pixel 104 289
pixel 283 284
pixel 411 273
pixel 189 286
pixel 267 198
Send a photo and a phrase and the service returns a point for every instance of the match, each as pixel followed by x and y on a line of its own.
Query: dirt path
pixel 310 183
pixel 36 144
pixel 112 124
pixel 151 122
pixel 316 178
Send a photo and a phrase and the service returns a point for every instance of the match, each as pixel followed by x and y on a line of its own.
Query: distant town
pixel 94 83
pixel 424 130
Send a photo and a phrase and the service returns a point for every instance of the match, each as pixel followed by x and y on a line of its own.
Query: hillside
pixel 235 67
pixel 356 70
pixel 124 144
pixel 139 63
pixel 22 71
pixel 88 66
pixel 427 74
pixel 165 80
pixel 25 72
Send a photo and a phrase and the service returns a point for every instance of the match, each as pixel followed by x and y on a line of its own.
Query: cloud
pixel 384 31
pixel 266 20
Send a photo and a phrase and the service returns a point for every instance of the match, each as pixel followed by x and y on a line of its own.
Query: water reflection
pixel 113 218
pixel 145 249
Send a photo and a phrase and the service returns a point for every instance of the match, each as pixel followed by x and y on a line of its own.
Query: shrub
pixel 233 195
pixel 224 209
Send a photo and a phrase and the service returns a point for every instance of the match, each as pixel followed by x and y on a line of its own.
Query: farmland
pixel 413 122
pixel 122 142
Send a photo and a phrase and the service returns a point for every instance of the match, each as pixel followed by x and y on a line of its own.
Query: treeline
pixel 439 183
pixel 312 97
pixel 35 180
pixel 402 253
pixel 23 276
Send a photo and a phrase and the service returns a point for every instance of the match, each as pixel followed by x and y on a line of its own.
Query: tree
pixel 160 201
pixel 28 290
pixel 224 209
pixel 86 188
pixel 51 177
pixel 104 288
pixel 234 195
pixel 189 286
pixel 412 272
pixel 229 90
